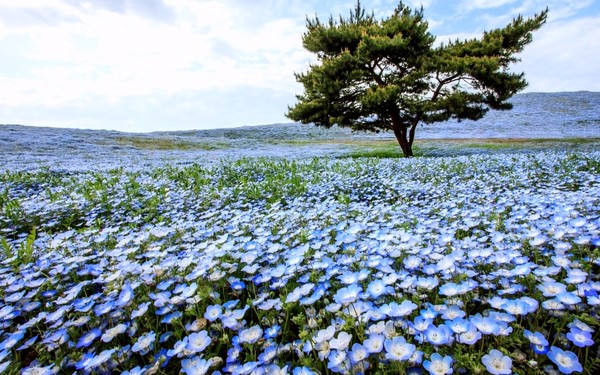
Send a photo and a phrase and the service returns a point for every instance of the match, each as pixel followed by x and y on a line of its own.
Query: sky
pixel 156 65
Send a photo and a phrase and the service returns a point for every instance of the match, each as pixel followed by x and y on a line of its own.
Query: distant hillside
pixel 539 116
pixel 535 115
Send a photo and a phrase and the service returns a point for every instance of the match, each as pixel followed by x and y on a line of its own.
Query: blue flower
pixel 459 325
pixel 400 310
pixel 93 361
pixel 566 361
pixel 57 337
pixel 358 353
pixel 486 325
pixel 377 288
pixel 397 349
pixel 53 317
pixel 453 312
pixel 450 289
pixel 374 344
pixel 552 288
pixel 165 337
pixel 125 296
pixel 195 365
pixel 268 354
pixel 535 338
pixel 35 369
pixel 515 307
pixel 341 342
pixel 581 325
pixel 198 341
pixel 568 298
pixel 104 308
pixel 168 319
pixel 469 337
pixel 302 371
pixel 233 353
pixel 84 304
pixel 439 365
pixel 28 343
pixel 178 348
pixel 429 313
pixel 412 262
pixel 348 294
pixel 142 345
pixel 421 323
pixel 237 285
pixel 141 310
pixel 250 335
pixel 336 359
pixel 5 311
pixel 111 333
pixel 553 304
pixel 12 340
pixel 247 368
pixel 135 371
pixel 497 363
pixel 213 312
pixel 86 339
pixel 31 305
pixel 441 335
pixel 540 349
pixel 272 332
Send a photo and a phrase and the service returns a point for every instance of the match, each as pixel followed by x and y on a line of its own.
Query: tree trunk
pixel 405 145
pixel 411 135
pixel 404 135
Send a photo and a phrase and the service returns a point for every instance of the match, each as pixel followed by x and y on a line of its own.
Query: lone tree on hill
pixel 387 75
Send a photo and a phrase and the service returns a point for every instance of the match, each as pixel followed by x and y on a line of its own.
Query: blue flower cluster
pixel 480 263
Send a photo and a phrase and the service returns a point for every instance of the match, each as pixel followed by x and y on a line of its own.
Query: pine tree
pixel 387 75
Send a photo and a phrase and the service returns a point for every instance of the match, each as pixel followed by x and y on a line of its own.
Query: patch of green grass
pixel 168 144
pixel 373 149
pixel 388 152
pixel 447 147
pixel 490 146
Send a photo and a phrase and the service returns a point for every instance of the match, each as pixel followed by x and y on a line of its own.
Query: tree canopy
pixel 387 75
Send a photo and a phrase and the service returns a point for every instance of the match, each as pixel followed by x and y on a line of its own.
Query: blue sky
pixel 149 65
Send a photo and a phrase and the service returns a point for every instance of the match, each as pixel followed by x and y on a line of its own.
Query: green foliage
pixel 374 153
pixel 386 74
pixel 24 253
pixel 143 143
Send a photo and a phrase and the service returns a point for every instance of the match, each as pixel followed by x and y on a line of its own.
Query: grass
pixel 365 147
pixel 445 147
pixel 156 143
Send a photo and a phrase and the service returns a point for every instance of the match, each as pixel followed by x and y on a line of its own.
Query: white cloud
pixel 418 3
pixel 470 5
pixel 563 56
pixel 558 9
pixel 112 54
pixel 177 61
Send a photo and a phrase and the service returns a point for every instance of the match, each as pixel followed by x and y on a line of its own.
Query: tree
pixel 387 75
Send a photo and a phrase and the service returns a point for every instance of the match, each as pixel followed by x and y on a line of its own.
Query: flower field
pixel 468 264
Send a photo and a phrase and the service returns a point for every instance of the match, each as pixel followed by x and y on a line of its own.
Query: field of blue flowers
pixel 449 265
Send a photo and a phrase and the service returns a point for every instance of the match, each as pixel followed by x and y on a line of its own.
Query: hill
pixel 535 116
